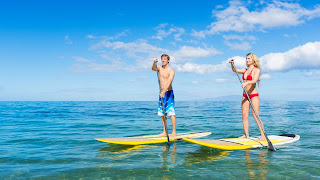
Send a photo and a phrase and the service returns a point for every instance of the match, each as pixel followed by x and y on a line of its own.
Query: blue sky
pixel 103 50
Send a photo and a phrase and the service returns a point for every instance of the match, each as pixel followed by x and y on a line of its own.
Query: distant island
pixel 226 98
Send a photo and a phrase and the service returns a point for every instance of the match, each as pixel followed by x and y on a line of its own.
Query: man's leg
pixel 174 126
pixel 164 126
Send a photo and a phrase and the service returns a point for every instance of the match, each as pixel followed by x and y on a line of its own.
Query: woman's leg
pixel 256 104
pixel 245 113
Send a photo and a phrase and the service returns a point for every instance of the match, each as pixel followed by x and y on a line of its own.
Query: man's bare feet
pixel 162 134
pixel 172 135
pixel 243 136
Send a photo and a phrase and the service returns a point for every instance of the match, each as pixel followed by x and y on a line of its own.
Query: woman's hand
pixel 244 84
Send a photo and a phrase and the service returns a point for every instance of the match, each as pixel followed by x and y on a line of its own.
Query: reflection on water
pixel 169 159
pixel 204 154
pixel 54 140
pixel 255 161
pixel 116 151
pixel 257 167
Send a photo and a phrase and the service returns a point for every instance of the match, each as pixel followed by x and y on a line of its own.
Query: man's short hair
pixel 165 55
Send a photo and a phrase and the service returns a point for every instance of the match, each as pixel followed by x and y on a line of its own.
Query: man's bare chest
pixel 164 74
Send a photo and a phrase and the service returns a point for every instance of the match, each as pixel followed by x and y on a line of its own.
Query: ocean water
pixel 55 140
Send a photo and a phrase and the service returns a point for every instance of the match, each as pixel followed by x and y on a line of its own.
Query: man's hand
pixel 155 60
pixel 162 94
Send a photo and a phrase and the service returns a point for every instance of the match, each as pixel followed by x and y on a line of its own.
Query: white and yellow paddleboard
pixel 241 143
pixel 151 139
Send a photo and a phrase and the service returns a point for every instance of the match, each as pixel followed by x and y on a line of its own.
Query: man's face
pixel 164 60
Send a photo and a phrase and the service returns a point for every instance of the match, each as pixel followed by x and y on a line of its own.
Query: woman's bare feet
pixel 261 138
pixel 243 136
pixel 172 135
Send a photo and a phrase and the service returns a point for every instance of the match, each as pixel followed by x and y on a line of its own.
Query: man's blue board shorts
pixel 168 103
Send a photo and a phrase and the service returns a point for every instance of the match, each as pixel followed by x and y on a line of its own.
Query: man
pixel 166 75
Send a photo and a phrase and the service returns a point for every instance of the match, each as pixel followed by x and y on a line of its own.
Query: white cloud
pixel 288 36
pixel 142 53
pixel 239 42
pixel 238 37
pixel 201 68
pixel 99 67
pixel 306 56
pixel 196 68
pixel 273 16
pixel 200 34
pixel 239 62
pixel 110 58
pixel 219 7
pixel 237 17
pixel 265 76
pixel 133 49
pixel 77 67
pixel 184 59
pixel 91 36
pixel 261 2
pixel 180 31
pixel 221 80
pixel 117 36
pixel 224 66
pixel 241 46
pixel 161 26
pixel 193 41
pixel 188 53
pixel 313 13
pixel 162 33
pixel 81 59
pixel 82 90
pixel 313 73
pixel 143 77
pixel 195 82
pixel 68 41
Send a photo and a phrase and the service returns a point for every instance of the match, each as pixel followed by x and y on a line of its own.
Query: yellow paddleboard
pixel 244 143
pixel 151 139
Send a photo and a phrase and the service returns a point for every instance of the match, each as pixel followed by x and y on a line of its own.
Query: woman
pixel 250 77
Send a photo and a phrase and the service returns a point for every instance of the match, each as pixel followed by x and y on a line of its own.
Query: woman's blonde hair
pixel 255 60
pixel 255 63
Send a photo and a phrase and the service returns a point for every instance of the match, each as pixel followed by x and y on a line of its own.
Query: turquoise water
pixel 55 140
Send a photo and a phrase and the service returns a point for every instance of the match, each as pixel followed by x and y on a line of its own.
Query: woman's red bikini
pixel 249 78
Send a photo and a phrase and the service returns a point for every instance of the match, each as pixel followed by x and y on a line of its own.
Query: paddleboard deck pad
pixel 243 143
pixel 152 139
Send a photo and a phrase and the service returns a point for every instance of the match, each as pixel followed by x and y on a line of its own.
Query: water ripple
pixel 55 140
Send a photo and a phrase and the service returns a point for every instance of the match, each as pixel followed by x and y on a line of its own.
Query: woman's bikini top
pixel 249 77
